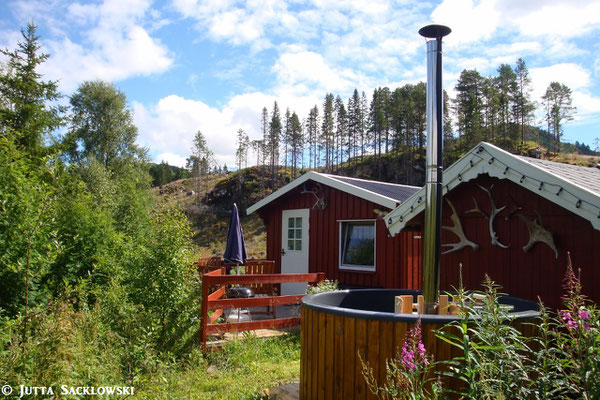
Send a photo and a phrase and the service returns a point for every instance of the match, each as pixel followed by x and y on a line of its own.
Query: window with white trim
pixel 357 245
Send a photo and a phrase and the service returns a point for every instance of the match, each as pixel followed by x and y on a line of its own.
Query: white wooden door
pixel 294 248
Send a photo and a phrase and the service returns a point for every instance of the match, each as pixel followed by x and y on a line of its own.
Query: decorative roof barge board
pixel 574 188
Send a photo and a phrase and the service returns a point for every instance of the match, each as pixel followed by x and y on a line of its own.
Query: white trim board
pixel 329 180
pixel 488 159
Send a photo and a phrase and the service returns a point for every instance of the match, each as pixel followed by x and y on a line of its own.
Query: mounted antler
pixel 457 229
pixel 538 234
pixel 493 213
pixel 321 201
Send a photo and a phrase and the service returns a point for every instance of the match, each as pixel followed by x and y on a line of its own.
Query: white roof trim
pixel 488 159
pixel 328 180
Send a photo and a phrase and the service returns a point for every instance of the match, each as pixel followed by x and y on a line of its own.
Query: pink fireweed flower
pixel 413 351
pixel 583 314
pixel 421 348
pixel 408 357
pixel 567 318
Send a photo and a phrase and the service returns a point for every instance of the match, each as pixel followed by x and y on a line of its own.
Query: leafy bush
pixel 323 286
pixel 494 353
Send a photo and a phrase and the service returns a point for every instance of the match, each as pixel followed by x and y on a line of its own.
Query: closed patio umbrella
pixel 235 250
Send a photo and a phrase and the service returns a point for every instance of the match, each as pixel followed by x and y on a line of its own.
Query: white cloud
pixel 171 159
pixel 171 124
pixel 109 42
pixel 295 70
pixel 586 104
pixel 558 18
pixel 470 21
pixel 570 74
pixel 343 32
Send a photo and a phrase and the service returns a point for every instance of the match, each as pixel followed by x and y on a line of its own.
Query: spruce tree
pixel 274 138
pixel 296 142
pixel 25 110
pixel 506 82
pixel 312 135
pixel 468 107
pixel 286 135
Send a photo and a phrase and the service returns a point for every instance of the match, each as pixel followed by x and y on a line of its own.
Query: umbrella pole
pixel 238 273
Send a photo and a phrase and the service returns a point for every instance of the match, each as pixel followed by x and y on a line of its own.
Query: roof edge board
pixel 367 180
pixel 459 172
pixel 328 180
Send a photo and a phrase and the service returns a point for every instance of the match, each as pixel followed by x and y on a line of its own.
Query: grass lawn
pixel 242 369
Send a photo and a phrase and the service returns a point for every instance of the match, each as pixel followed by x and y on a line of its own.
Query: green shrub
pixel 323 286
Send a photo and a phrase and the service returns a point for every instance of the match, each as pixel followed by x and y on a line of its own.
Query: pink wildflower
pixel 583 314
pixel 413 351
pixel 567 317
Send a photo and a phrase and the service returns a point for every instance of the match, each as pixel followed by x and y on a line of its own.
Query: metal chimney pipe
pixel 433 184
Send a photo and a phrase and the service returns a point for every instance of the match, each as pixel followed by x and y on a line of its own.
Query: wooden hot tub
pixel 336 326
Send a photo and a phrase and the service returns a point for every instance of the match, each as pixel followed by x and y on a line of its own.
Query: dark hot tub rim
pixel 326 302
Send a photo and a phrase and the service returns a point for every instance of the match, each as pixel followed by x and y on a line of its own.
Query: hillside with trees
pixel 387 130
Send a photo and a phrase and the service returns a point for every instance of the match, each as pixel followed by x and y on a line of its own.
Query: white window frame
pixel 353 267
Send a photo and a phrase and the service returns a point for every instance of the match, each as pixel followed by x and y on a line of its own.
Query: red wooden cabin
pixel 333 224
pixel 523 195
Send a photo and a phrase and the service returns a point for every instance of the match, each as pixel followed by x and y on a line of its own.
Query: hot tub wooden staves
pixel 335 338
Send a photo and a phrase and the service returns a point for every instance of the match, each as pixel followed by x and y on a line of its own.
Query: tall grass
pixel 73 344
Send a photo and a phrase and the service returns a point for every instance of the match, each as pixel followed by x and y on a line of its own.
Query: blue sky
pixel 188 65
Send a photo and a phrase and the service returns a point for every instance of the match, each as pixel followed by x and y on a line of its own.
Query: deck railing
pixel 214 288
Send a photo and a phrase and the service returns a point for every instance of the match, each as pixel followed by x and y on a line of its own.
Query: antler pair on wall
pixel 537 232
pixel 321 201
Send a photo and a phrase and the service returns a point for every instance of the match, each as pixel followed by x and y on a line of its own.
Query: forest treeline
pixel 497 109
pixel 96 278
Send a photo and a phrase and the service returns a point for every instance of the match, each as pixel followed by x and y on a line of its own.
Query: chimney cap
pixel 434 31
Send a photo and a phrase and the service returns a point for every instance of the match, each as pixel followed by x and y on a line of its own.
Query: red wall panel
pixel 391 260
pixel 522 274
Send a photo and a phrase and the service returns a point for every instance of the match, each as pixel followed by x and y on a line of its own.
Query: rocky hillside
pixel 208 202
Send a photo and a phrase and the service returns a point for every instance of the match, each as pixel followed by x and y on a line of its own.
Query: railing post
pixel 320 277
pixel 204 310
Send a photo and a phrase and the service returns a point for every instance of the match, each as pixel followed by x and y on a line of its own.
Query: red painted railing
pixel 214 287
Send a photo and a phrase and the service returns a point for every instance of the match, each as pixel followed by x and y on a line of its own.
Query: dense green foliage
pixel 26 113
pixel 164 173
pixel 96 278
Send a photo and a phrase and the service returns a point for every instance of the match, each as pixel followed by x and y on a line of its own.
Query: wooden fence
pixel 214 288
pixel 207 264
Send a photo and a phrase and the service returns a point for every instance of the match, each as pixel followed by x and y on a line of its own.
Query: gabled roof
pixel 388 195
pixel 570 186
